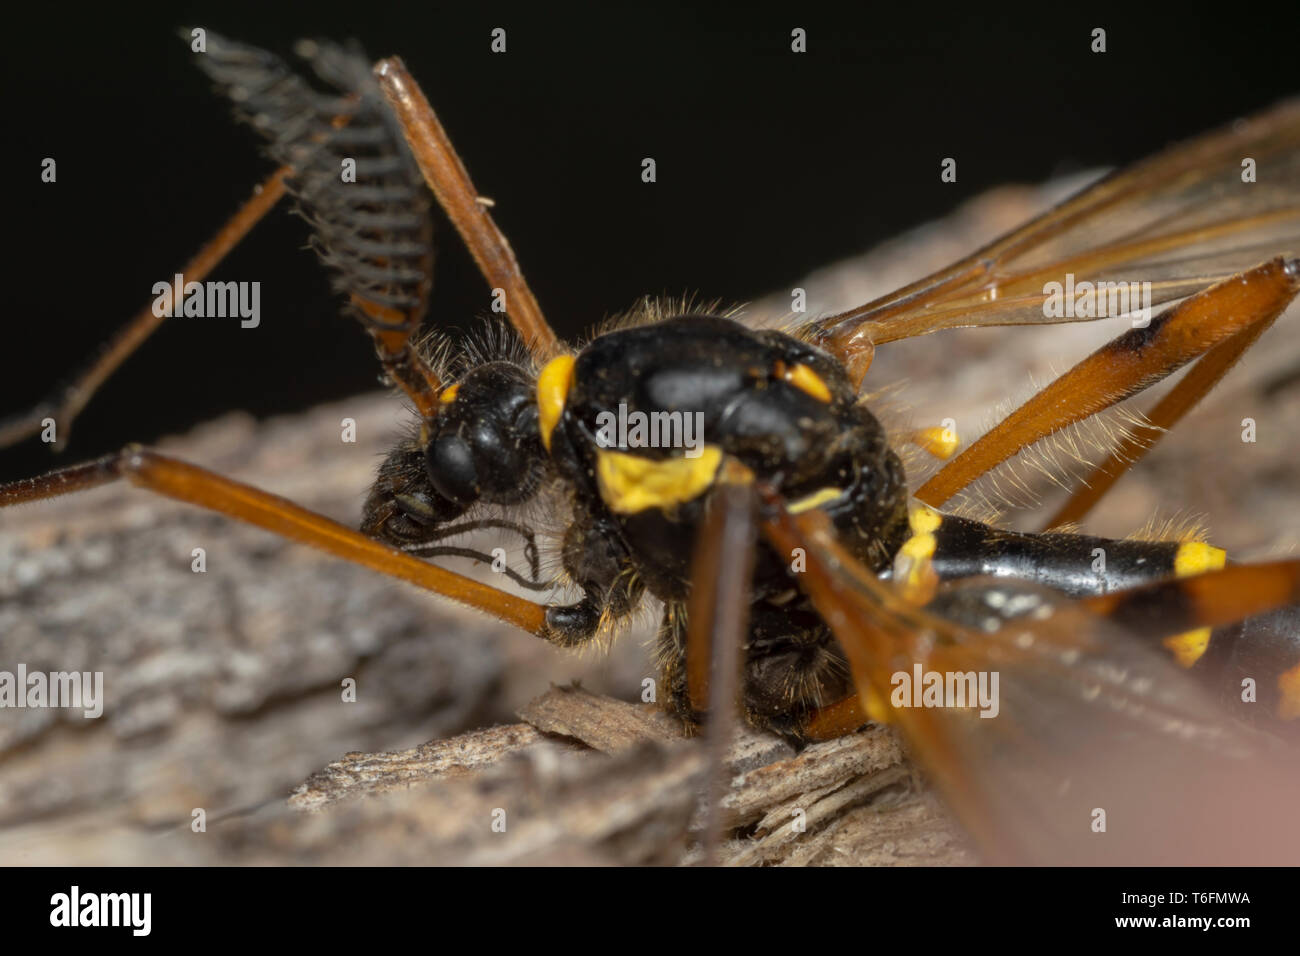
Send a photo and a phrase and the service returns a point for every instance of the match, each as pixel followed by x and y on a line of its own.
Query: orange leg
pixel 67 404
pixel 1182 398
pixel 197 486
pixel 837 719
pixel 342 230
pixel 718 616
pixel 454 191
pixel 1126 366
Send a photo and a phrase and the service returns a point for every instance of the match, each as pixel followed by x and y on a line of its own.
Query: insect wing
pixel 1093 749
pixel 1182 220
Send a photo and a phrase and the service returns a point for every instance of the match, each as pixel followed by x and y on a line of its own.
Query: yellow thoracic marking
pixel 449 394
pixel 629 483
pixel 552 391
pixel 1288 707
pixel 814 500
pixel 806 380
pixel 1193 557
pixel 938 441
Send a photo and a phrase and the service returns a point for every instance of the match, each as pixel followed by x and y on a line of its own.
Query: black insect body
pixel 788 414
pixel 781 408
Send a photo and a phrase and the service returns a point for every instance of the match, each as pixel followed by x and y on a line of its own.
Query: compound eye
pixel 451 470
pixel 500 470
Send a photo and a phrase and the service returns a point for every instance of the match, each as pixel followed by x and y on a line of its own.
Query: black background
pixel 769 163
